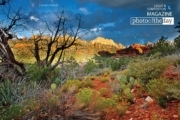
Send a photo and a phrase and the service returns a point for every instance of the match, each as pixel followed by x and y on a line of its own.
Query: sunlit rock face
pixel 134 49
pixel 105 41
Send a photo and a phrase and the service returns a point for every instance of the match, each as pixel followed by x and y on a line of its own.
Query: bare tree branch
pixel 4 2
pixel 63 35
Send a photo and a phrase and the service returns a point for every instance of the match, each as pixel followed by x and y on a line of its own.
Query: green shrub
pixel 88 83
pixel 158 87
pixel 104 103
pixel 104 79
pixel 173 91
pixel 147 69
pixel 70 83
pixel 57 81
pixel 85 96
pixel 90 66
pixel 128 95
pixel 70 69
pixel 164 90
pixel 13 95
pixel 162 46
pixel 14 112
pixel 115 97
pixel 114 64
pixel 103 91
pixel 6 94
pixel 53 100
pixel 162 102
pixel 37 74
pixel 122 107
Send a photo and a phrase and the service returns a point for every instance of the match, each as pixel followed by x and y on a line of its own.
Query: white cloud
pixel 96 29
pixel 34 18
pixel 84 10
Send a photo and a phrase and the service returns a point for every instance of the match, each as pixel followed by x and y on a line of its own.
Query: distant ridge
pixel 106 41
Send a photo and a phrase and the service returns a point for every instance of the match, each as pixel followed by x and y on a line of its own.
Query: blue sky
pixel 106 18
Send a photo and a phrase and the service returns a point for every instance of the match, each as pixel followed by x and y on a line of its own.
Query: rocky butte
pixel 105 41
pixel 135 49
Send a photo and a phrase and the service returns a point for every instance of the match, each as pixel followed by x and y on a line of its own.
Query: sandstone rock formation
pixel 133 50
pixel 105 41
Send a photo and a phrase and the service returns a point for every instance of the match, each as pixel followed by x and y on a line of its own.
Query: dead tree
pixel 8 63
pixel 4 2
pixel 61 35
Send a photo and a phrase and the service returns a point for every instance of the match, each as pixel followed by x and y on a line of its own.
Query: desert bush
pixel 104 103
pixel 69 83
pixel 122 107
pixel 125 81
pixel 53 100
pixel 103 91
pixel 163 47
pixel 70 69
pixel 104 79
pixel 88 82
pixel 158 87
pixel 147 69
pixel 14 94
pixel 85 96
pixel 115 86
pixel 128 94
pixel 36 73
pixel 90 66
pixel 114 64
pixel 6 93
pixel 14 112
pixel 173 91
pixel 164 90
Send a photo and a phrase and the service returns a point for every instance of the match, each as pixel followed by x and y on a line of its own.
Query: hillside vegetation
pixel 82 51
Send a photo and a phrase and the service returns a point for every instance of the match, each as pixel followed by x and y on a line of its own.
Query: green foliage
pixel 162 46
pixel 158 87
pixel 104 103
pixel 114 64
pixel 125 81
pixel 85 96
pixel 37 74
pixel 104 79
pixel 123 87
pixel 122 107
pixel 6 94
pixel 31 104
pixel 14 112
pixel 57 81
pixel 15 93
pixel 173 90
pixel 90 66
pixel 88 83
pixel 162 102
pixel 115 97
pixel 146 69
pixel 128 95
pixel 53 100
pixel 70 83
pixel 177 42
pixel 103 91
pixel 164 90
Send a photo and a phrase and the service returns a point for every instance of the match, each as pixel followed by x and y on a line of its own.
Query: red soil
pixel 140 109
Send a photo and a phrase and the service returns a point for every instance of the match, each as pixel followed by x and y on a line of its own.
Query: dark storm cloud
pixel 100 16
pixel 120 12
